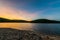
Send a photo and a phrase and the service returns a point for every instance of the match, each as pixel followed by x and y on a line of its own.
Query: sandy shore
pixel 14 34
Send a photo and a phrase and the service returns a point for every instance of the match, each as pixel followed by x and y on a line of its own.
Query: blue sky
pixel 48 9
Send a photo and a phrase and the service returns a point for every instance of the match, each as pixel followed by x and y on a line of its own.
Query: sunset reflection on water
pixel 20 26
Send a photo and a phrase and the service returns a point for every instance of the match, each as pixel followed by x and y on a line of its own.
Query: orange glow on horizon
pixel 9 12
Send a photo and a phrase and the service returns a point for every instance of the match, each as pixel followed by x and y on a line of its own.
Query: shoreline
pixel 15 34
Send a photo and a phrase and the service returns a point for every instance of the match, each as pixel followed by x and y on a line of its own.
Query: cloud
pixel 7 11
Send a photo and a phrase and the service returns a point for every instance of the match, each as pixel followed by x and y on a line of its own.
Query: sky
pixel 30 9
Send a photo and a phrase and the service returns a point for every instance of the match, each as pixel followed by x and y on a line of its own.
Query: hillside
pixel 45 21
pixel 33 21
pixel 8 20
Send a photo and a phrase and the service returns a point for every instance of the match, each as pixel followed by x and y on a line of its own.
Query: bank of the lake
pixel 15 34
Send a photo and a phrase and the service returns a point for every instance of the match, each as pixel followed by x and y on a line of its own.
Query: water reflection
pixel 21 26
pixel 48 28
pixel 44 28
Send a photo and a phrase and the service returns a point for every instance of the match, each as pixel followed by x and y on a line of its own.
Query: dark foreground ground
pixel 14 34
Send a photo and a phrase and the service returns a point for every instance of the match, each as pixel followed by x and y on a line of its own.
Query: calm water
pixel 44 28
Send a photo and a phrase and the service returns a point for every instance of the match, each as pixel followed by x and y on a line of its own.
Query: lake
pixel 43 28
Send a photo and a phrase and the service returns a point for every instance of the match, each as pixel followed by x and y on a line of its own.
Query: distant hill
pixel 8 20
pixel 33 21
pixel 45 21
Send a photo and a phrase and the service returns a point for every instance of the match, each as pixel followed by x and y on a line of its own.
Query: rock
pixel 14 34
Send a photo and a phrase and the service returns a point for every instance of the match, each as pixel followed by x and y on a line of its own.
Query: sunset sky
pixel 30 9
